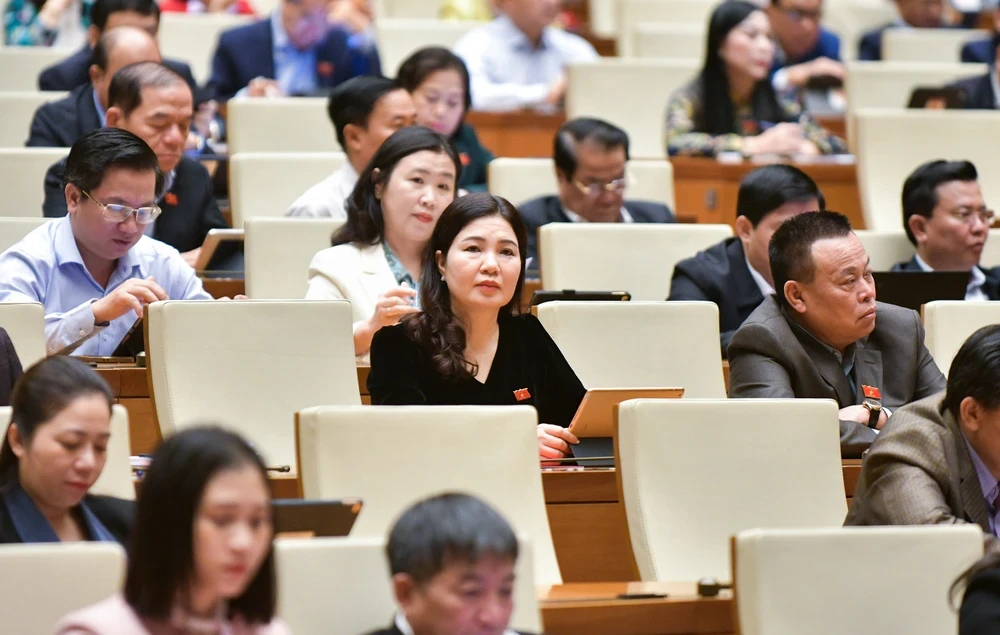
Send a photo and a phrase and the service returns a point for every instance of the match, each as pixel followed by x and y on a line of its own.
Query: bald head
pixel 117 48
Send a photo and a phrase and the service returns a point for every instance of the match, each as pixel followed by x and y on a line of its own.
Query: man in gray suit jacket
pixel 937 461
pixel 818 336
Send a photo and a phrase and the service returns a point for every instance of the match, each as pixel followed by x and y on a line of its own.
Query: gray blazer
pixel 919 472
pixel 770 356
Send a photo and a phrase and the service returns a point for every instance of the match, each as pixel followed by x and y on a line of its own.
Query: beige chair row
pixel 193 38
pixel 398 38
pixel 18 108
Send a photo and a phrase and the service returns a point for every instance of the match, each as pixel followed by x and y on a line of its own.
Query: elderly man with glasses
pixel 94 269
pixel 590 157
pixel 946 218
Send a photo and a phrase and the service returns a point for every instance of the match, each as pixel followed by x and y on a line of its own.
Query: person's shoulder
pixel 111 615
pixel 477 39
pixel 539 211
pixel 65 105
pixel 571 42
pixel 191 174
pixel 906 265
pixel 649 211
pixel 338 257
pixel 236 36
pixel 395 339
pixel 36 245
pixel 709 261
pixel 180 67
pixel 895 318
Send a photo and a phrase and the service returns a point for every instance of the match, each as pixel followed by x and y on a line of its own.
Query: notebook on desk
pixel 913 289
pixel 318 518
pixel 593 421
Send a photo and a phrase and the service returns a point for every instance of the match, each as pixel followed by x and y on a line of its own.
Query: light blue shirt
pixel 294 70
pixel 508 72
pixel 101 113
pixel 46 267
pixel 987 484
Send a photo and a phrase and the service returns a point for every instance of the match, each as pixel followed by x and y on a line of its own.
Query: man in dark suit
pixel 983 51
pixel 74 71
pixel 452 560
pixel 946 218
pixel 818 337
pixel 154 103
pixel 736 274
pixel 10 368
pixel 921 14
pixel 983 91
pixel 294 51
pixel 590 159
pixel 936 461
pixel 59 124
pixel 805 49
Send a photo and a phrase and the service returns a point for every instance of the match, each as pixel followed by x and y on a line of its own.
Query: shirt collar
pixel 765 287
pixel 168 183
pixel 403 626
pixel 576 218
pixel 987 483
pixel 278 33
pixel 101 113
pixel 516 38
pixel 846 360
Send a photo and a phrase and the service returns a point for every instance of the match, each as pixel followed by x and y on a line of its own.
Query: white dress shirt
pixel 326 198
pixel 765 287
pixel 974 292
pixel 508 72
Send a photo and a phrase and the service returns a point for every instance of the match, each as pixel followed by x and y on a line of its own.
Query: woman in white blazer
pixel 375 259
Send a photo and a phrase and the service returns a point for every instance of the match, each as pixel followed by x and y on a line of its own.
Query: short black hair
pixel 125 90
pixel 417 67
pixel 607 136
pixel 920 188
pixel 161 554
pixel 975 372
pixel 769 187
pixel 353 101
pixel 790 250
pixel 447 528
pixel 98 151
pixel 101 10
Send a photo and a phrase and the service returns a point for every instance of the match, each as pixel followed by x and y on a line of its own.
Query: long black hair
pixel 716 115
pixel 436 328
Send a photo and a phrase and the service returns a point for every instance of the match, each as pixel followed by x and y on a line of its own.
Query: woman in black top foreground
pixel 468 347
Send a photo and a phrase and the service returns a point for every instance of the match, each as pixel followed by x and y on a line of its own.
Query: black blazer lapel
pixel 554 210
pixel 991 287
pixel 829 368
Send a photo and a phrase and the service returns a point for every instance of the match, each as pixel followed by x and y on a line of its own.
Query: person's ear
pixel 744 229
pixel 94 72
pixel 439 259
pixel 794 296
pixel 971 413
pixel 918 225
pixel 403 588
pixel 114 117
pixel 378 185
pixel 74 196
pixel 16 441
pixel 352 135
pixel 93 34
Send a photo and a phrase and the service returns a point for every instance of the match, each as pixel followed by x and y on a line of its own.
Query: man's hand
pixel 130 295
pixel 800 74
pixel 191 257
pixel 263 87
pixel 860 414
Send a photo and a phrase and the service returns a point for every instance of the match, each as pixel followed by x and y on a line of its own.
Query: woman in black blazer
pixel 53 452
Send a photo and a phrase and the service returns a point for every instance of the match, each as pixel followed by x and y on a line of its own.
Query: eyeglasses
pixel 966 215
pixel 798 15
pixel 120 213
pixel 593 190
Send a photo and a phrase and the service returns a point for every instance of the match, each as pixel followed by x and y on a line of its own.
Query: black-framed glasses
pixel 120 213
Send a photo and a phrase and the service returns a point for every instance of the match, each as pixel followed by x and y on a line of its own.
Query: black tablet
pixel 320 518
pixel 572 295
pixel 133 343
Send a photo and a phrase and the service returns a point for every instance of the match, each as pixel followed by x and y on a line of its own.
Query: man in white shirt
pixel 518 60
pixel 946 217
pixel 365 111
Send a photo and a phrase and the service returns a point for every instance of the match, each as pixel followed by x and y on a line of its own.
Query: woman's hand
pixel 784 138
pixel 554 441
pixel 391 307
pixel 52 11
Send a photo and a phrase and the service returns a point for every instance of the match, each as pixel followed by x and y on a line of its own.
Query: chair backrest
pixel 788 579
pixel 358 568
pixel 267 183
pixel 630 93
pixel 25 325
pixel 12 230
pixel 20 67
pixel 249 365
pixel 893 142
pixel 670 41
pixel 24 173
pixel 948 323
pixel 603 17
pixel 43 582
pixel 18 109
pixel 655 344
pixel 638 258
pixel 410 9
pixel 398 38
pixel 991 251
pixel 927 45
pixel 886 248
pixel 693 473
pixel 632 13
pixel 849 19
pixel 393 456
pixel 193 38
pixel 278 252
pixel 280 124
pixel 519 180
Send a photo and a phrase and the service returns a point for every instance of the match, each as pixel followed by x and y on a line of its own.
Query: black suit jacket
pixel 991 287
pixel 116 514
pixel 981 51
pixel 60 123
pixel 720 275
pixel 548 209
pixel 977 92
pixel 392 630
pixel 870 44
pixel 189 209
pixel 75 70
pixel 10 367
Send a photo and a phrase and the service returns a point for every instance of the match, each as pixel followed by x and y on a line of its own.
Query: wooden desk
pixel 224 287
pixel 597 609
pixel 524 133
pixel 129 387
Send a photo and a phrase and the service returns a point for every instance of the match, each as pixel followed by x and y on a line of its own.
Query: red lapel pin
pixel 522 394
pixel 871 392
pixel 170 198
pixel 325 69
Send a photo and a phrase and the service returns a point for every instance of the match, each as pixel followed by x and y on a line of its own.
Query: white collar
pixel 576 218
pixel 404 627
pixel 765 287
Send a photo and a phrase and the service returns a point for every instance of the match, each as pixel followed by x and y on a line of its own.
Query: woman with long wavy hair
pixel 469 346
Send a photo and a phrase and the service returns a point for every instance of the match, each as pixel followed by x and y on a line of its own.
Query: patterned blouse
pixel 22 27
pixel 682 138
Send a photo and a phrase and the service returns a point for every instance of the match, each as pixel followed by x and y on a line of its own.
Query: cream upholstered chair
pixel 643 352
pixel 278 253
pixel 892 143
pixel 519 180
pixel 849 19
pixel 18 109
pixel 991 252
pixel 630 93
pixel 358 568
pixel 927 45
pixel 43 582
pixel 267 183
pixel 695 472
pixel 787 580
pixel 24 173
pixel 412 9
pixel 638 258
pixel 886 248
pixel 193 38
pixel 948 323
pixel 12 230
pixel 280 124
pixel 632 13
pixel 670 41
pixel 393 456
pixel 25 325
pixel 603 15
pixel 249 365
pixel 398 38
pixel 20 67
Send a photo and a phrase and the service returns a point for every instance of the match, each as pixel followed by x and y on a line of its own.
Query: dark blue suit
pixel 991 287
pixel 977 92
pixel 247 52
pixel 981 51
pixel 828 45
pixel 59 124
pixel 74 71
pixel 870 44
